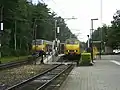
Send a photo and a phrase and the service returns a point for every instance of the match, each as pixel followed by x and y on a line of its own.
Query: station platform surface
pixel 49 59
pixel 103 75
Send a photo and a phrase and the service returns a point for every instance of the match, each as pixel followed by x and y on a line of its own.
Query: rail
pixel 41 81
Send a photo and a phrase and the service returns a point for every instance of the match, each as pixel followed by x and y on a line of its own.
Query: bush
pixel 15 53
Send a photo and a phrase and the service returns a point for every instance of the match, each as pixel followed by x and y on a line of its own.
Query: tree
pixel 20 20
pixel 110 34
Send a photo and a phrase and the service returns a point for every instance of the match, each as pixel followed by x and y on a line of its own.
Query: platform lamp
pixel 92 37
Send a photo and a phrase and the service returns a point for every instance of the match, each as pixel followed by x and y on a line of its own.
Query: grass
pixel 12 59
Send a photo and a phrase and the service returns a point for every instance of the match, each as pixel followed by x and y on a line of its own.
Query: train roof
pixel 72 39
pixel 49 42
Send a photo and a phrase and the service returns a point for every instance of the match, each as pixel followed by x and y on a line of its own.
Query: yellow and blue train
pixel 73 48
pixel 41 47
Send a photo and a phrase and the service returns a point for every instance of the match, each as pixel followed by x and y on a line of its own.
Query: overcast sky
pixel 84 10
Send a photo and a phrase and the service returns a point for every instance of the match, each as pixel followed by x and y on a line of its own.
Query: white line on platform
pixel 118 63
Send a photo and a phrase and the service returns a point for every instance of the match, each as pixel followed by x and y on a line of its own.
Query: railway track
pixel 44 80
pixel 16 63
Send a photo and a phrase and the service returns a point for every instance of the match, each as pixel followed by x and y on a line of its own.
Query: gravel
pixel 13 76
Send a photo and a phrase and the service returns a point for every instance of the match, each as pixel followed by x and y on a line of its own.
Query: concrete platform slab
pixel 49 59
pixel 104 75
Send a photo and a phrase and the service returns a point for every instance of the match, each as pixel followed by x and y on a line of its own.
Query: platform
pixel 49 59
pixel 104 75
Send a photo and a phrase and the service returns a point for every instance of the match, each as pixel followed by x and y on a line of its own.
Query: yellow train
pixel 73 48
pixel 41 47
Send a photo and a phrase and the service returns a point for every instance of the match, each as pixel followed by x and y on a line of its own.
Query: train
pixel 73 48
pixel 41 47
pixel 70 48
pixel 45 47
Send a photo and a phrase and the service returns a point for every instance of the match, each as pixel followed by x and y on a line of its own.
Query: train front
pixel 72 48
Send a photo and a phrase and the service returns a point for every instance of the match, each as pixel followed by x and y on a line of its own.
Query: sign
pixel 58 29
pixel 1 26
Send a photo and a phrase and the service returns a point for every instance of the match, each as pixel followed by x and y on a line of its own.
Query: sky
pixel 84 11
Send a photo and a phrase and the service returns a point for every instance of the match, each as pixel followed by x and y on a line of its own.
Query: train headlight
pixel 75 51
pixel 67 50
pixel 42 48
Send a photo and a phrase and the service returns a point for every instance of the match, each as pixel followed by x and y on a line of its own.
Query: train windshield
pixel 71 42
pixel 37 42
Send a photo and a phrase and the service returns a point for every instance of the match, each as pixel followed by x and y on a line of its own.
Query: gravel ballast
pixel 13 76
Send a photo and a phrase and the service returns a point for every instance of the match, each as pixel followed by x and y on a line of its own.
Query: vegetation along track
pixel 43 80
pixel 16 63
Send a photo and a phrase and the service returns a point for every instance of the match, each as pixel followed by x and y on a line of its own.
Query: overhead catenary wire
pixel 60 9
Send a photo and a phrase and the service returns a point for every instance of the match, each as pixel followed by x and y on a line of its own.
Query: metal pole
pixel 15 35
pixel 88 41
pixel 55 36
pixel 35 36
pixel 104 47
pixel 1 27
pixel 35 41
pixel 1 13
pixel 101 30
pixel 92 39
pixel 55 28
pixel 34 31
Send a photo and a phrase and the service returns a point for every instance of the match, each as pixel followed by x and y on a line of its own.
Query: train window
pixel 76 42
pixel 71 42
pixel 37 42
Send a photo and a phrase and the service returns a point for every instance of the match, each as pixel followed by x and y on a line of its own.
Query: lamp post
pixel 92 37
pixel 101 15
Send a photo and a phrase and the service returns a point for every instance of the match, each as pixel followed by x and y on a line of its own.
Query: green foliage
pixel 12 58
pixel 110 34
pixel 19 20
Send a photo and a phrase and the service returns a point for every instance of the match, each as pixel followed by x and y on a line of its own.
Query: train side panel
pixel 42 48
